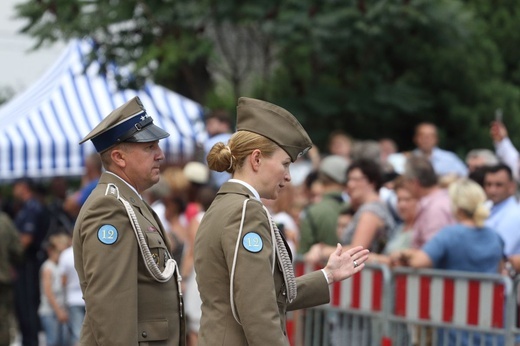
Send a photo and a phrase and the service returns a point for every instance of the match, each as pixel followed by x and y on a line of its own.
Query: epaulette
pixel 112 190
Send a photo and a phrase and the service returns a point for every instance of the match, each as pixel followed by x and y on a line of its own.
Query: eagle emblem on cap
pixel 303 152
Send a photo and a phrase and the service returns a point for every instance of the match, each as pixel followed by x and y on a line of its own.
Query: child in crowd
pixel 52 311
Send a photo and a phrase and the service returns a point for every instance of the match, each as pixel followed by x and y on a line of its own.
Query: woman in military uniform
pixel 243 264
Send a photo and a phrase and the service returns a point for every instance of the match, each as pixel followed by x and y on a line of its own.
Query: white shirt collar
pixel 249 187
pixel 124 181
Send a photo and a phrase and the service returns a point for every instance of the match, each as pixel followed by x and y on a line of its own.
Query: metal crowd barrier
pixel 438 307
pixel 516 325
pixel 410 307
pixel 354 314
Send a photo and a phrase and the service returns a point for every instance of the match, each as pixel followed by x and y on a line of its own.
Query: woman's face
pixel 358 186
pixel 274 174
pixel 406 204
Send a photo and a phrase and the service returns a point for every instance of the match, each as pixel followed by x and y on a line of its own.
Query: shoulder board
pixel 112 190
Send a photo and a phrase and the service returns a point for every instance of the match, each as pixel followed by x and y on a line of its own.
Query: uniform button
pixel 144 334
pixel 160 242
pixel 283 293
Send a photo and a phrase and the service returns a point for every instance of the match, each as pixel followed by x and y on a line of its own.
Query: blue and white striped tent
pixel 42 126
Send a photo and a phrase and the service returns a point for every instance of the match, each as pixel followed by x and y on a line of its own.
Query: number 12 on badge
pixel 252 242
pixel 107 234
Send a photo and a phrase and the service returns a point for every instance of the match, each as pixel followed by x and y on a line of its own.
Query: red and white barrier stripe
pixel 290 325
pixel 363 291
pixel 459 301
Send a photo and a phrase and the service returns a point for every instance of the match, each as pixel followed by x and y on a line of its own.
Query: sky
pixel 19 65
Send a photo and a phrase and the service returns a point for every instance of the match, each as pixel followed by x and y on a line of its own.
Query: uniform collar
pixel 249 187
pixel 236 186
pixel 124 181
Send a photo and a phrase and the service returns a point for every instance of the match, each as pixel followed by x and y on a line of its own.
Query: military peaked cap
pixel 128 123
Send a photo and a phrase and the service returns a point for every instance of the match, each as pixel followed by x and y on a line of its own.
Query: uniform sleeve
pixel 254 290
pixel 14 247
pixel 111 274
pixel 313 290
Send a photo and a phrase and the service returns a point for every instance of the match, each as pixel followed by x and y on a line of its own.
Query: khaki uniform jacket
pixel 259 295
pixel 124 304
pixel 11 251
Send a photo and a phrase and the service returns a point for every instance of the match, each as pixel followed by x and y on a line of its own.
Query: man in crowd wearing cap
pixel 130 284
pixel 318 224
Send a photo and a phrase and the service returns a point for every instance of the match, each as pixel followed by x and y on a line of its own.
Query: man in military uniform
pixel 318 224
pixel 129 281
pixel 10 254
pixel 32 222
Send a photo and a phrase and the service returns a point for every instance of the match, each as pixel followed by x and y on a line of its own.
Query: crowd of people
pixel 422 208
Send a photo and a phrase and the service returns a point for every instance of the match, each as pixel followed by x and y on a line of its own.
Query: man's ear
pixel 118 157
pixel 255 158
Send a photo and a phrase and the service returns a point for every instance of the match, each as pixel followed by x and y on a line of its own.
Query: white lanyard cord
pixel 233 266
pixel 151 266
pixel 284 260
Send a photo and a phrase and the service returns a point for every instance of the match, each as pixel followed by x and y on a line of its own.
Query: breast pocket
pixel 158 248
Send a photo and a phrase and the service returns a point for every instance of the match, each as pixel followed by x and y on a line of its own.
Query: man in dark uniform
pixel 32 221
pixel 129 281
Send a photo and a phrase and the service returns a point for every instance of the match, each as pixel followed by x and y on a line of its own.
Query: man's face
pixel 18 189
pixel 426 137
pixel 143 161
pixel 214 126
pixel 340 145
pixel 498 186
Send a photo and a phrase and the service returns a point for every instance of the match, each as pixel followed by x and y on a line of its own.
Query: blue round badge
pixel 107 234
pixel 252 242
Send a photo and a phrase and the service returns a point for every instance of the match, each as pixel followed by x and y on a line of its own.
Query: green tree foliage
pixel 158 39
pixel 377 68
pixel 374 68
pixel 500 23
